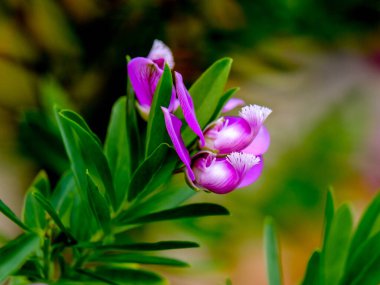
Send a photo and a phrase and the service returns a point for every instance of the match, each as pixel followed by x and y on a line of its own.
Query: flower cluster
pixel 229 150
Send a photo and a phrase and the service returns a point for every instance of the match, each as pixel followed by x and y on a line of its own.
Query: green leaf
pixel 187 211
pixel 12 216
pixel 207 92
pixel 130 276
pixel 14 254
pixel 335 252
pixel 81 122
pixel 312 271
pixel 173 196
pixel 147 171
pixel 138 258
pixel 272 253
pixel 156 130
pixel 64 194
pixel 362 260
pixel 99 205
pixel 146 246
pixel 117 148
pixel 228 281
pixel 329 215
pixel 366 224
pixel 371 274
pixel 222 101
pixel 45 204
pixel 85 153
pixel 33 214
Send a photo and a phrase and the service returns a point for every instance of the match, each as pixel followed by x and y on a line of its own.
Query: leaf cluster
pixel 348 256
pixel 78 232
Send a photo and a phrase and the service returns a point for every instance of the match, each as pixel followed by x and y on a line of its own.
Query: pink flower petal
pixel 173 126
pixel 260 143
pixel 144 75
pixel 161 51
pixel 187 107
pixel 253 174
pixel 232 104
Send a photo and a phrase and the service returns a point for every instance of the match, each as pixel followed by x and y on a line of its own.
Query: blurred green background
pixel 316 63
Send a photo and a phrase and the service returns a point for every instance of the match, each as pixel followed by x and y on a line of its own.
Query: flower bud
pixel 228 134
pixel 231 134
pixel 221 175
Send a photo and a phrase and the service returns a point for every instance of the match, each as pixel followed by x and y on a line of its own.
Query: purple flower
pixel 145 73
pixel 223 174
pixel 161 53
pixel 230 134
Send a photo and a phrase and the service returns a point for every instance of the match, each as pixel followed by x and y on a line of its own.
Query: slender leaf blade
pixel 362 259
pixel 99 205
pixel 117 148
pixel 206 93
pixel 366 224
pixel 146 246
pixel 272 254
pixel 156 130
pixel 85 153
pixel 12 216
pixel 312 270
pixel 138 258
pixel 336 249
pixel 147 170
pixel 188 211
pixel 14 254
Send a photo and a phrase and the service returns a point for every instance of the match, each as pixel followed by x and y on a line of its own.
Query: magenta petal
pixel 173 126
pixel 253 174
pixel 260 143
pixel 232 104
pixel 144 75
pixel 215 174
pixel 161 51
pixel 187 107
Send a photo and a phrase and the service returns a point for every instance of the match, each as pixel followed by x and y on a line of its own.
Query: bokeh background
pixel 316 63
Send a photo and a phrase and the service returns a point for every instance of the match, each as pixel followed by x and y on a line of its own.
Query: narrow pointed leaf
pixel 147 170
pixel 138 258
pixel 312 270
pixel 187 211
pixel 45 204
pixel 272 254
pixel 99 205
pixel 156 131
pixel 12 216
pixel 15 253
pixel 33 214
pixel 145 246
pixel 329 214
pixel 366 224
pixel 117 148
pixel 207 92
pixel 336 249
pixel 85 153
pixel 222 101
pixel 361 261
